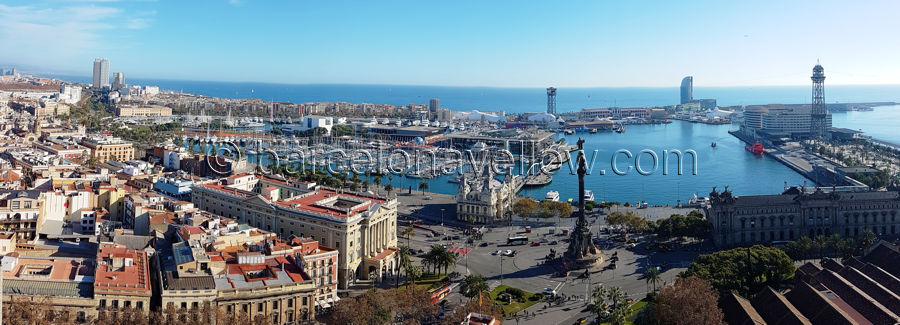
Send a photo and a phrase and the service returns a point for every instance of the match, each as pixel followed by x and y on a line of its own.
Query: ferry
pixel 588 195
pixel 552 196
pixel 756 149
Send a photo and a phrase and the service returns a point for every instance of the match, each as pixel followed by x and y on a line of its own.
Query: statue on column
pixel 581 251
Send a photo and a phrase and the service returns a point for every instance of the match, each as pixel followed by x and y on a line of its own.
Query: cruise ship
pixel 552 196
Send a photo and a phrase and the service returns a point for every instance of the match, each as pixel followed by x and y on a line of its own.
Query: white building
pixel 69 94
pixel 783 120
pixel 309 122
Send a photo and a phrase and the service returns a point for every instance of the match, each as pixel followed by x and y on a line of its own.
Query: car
pixel 498 252
pixel 554 242
pixel 508 252
pixel 428 197
pixel 544 240
pixel 537 243
pixel 428 234
pixel 632 245
pixel 581 320
pixel 549 292
pixel 483 244
pixel 456 237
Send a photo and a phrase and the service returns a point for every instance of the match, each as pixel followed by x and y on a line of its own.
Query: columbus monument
pixel 581 251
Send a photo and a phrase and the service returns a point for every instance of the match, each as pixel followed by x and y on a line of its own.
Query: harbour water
pixel 726 164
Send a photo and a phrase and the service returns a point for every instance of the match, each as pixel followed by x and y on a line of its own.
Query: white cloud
pixel 58 36
pixel 138 23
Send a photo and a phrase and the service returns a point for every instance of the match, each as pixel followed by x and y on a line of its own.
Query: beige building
pixel 760 219
pixel 484 199
pixel 362 227
pixel 143 111
pixel 106 149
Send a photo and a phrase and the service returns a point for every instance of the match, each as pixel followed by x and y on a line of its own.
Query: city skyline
pixel 496 45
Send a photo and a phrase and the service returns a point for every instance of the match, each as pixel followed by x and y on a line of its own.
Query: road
pixel 525 270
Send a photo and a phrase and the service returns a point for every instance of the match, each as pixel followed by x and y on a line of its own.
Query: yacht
pixel 588 195
pixel 552 196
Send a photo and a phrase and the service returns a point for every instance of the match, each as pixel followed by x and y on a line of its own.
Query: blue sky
pixel 461 43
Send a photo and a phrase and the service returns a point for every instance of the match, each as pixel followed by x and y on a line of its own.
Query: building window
pixel 140 305
pixel 259 307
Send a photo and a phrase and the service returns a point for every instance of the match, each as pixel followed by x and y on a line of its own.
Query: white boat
pixel 588 195
pixel 552 196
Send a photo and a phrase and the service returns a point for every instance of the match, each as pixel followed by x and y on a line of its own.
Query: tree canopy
pixel 688 301
pixel 729 270
pixel 677 225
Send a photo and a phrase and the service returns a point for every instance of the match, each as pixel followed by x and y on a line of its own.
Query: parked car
pixel 508 252
pixel 549 292
pixel 554 242
pixel 537 243
pixel 498 252
pixel 544 240
pixel 483 244
pixel 581 320
pixel 456 237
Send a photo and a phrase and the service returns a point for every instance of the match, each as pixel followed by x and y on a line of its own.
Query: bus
pixel 517 240
pixel 438 294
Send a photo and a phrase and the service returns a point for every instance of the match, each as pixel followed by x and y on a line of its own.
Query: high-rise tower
pixel 551 100
pixel 101 73
pixel 118 80
pixel 818 126
pixel 687 89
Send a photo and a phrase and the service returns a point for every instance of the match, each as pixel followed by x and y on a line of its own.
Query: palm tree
pixel 652 277
pixel 866 238
pixel 448 259
pixel 408 232
pixel 473 285
pixel 820 244
pixel 423 186
pixel 388 188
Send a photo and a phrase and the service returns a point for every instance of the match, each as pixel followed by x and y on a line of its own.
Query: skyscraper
pixel 818 126
pixel 687 89
pixel 101 73
pixel 434 105
pixel 551 100
pixel 118 80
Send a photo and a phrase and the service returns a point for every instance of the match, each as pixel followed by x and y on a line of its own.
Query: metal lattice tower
pixel 551 100
pixel 818 123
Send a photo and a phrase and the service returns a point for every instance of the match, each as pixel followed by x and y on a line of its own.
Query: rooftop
pixel 122 269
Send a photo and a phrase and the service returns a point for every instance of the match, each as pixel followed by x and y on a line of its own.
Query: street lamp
pixel 443 230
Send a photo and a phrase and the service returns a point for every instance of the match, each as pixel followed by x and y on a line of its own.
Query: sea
pixel 726 164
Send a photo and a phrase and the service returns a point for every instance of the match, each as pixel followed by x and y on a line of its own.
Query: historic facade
pixel 483 198
pixel 747 220
pixel 362 227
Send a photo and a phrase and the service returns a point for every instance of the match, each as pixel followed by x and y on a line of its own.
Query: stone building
pixel 362 227
pixel 484 199
pixel 747 220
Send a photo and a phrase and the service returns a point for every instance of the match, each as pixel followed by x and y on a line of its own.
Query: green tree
pixel 473 285
pixel 652 276
pixel 744 269
pixel 388 188
pixel 423 185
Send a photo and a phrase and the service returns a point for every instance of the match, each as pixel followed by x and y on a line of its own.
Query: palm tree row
pixel 439 257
